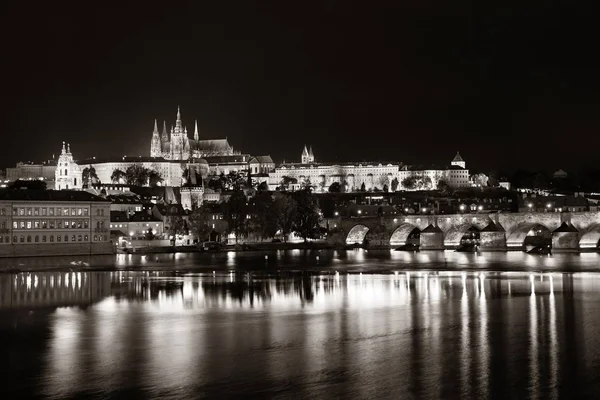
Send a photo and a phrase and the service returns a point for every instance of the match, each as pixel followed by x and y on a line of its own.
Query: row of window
pixel 51 238
pixel 55 224
pixel 51 211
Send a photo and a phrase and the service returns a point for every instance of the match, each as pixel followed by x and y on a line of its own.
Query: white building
pixel 67 175
pixel 364 176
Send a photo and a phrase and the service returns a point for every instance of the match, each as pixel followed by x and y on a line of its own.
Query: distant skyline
pixel 507 86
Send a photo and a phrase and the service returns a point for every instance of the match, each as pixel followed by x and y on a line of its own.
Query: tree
pixel 480 180
pixel 286 181
pixel 410 182
pixel 234 212
pixel 35 184
pixel 149 234
pixel 136 175
pixel 89 175
pixel 395 184
pixel 263 187
pixel 178 227
pixel 443 186
pixel 306 185
pixel 200 223
pixel 386 188
pixel 335 187
pixel 262 219
pixel 154 178
pixel 363 188
pixel 308 215
pixel 425 183
pixel 117 176
pixel 284 213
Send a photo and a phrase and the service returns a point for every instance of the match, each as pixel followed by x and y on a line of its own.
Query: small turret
pixel 196 136
pixel 458 161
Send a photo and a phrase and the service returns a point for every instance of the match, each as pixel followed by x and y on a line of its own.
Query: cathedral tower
pixel 304 157
pixel 155 145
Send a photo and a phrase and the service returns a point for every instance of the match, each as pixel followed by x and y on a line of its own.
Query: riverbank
pixel 266 246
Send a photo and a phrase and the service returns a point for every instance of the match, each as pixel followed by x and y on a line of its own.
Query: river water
pixel 305 325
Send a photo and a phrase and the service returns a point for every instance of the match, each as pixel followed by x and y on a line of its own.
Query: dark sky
pixel 507 83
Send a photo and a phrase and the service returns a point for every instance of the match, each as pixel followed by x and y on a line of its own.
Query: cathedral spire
pixel 68 148
pixel 64 151
pixel 178 122
pixel 155 127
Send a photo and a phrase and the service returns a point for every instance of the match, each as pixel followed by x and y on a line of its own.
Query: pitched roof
pixel 170 209
pixel 264 159
pixel 143 216
pixel 213 145
pixel 458 158
pixel 48 195
pixel 118 216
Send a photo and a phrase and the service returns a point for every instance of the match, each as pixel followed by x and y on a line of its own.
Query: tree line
pixel 264 215
pixel 136 175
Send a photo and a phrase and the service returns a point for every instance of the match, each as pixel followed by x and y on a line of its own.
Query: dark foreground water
pixel 285 332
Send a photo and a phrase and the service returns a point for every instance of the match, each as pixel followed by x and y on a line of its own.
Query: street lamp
pixel 480 208
pixel 336 213
pixel 359 212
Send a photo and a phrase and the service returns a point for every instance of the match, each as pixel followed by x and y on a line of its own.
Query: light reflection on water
pixel 420 334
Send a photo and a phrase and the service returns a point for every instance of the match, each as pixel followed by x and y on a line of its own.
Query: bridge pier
pixel 432 238
pixel 565 239
pixel 492 238
pixel 492 241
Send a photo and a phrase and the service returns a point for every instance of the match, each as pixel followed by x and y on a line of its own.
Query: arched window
pixel 58 238
pixel 37 238
pixel 73 238
pixel 43 238
pixel 29 239
pixel 97 224
pixel 65 171
pixel 51 238
pixel 22 239
pixel 79 238
pixel 66 238
pixel 86 238
pixel 14 239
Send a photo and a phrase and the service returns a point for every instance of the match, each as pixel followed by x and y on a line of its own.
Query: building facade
pixel 47 222
pixel 364 176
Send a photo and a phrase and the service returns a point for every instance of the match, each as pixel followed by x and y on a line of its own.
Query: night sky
pixel 508 84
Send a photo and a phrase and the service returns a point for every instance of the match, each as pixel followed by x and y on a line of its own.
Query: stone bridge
pixel 497 231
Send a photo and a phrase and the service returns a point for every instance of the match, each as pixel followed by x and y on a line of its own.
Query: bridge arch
pixel 454 235
pixel 516 237
pixel 357 234
pixel 591 238
pixel 401 233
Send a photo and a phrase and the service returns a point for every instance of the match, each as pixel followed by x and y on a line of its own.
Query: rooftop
pixel 48 195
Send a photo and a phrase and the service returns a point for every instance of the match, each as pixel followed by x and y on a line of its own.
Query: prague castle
pixel 178 146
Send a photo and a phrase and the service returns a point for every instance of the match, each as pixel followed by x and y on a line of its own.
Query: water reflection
pixel 434 334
